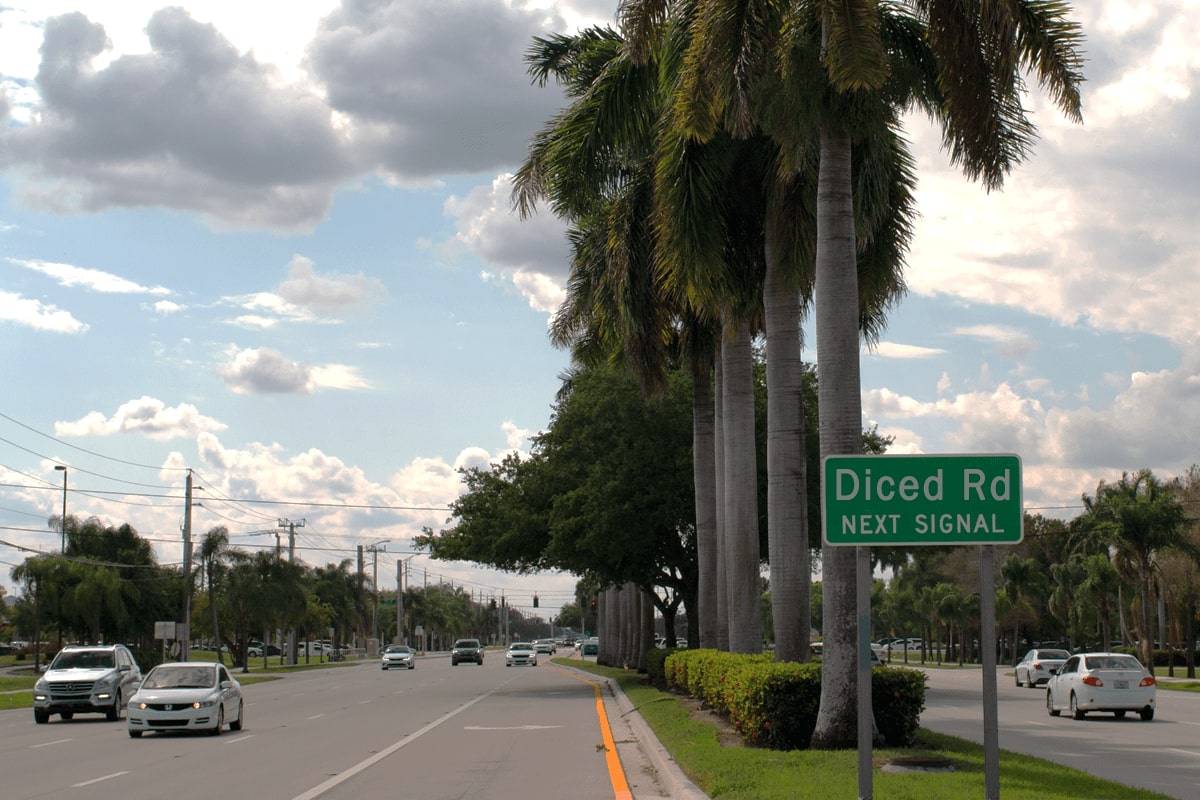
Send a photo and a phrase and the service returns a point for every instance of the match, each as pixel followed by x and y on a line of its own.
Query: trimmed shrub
pixel 774 704
pixel 656 666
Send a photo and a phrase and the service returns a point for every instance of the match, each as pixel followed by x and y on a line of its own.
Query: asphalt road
pixel 437 732
pixel 1162 755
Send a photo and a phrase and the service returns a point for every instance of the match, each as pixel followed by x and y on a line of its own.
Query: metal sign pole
pixel 987 644
pixel 866 716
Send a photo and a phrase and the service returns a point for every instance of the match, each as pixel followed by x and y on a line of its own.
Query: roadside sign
pixel 905 500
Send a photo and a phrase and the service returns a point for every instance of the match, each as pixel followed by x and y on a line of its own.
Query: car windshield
pixel 521 646
pixel 83 659
pixel 1112 662
pixel 180 678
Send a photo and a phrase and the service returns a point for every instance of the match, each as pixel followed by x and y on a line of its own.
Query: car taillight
pixel 1147 681
pixel 1092 680
pixel 1037 665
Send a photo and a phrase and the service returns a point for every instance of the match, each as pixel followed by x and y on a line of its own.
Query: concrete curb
pixel 676 784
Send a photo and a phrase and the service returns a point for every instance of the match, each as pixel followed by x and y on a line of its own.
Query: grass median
pixel 740 772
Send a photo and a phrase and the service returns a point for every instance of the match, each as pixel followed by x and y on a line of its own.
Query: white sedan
pixel 186 696
pixel 1101 682
pixel 521 654
pixel 398 656
pixel 1038 665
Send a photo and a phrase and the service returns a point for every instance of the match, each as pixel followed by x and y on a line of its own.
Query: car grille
pixel 80 690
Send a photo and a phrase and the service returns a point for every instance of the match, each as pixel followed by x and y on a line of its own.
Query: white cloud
pixel 147 416
pixel 265 371
pixel 903 351
pixel 35 314
pixel 304 288
pixel 532 254
pixel 93 279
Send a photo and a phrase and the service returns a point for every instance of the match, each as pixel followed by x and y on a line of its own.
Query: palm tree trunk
pixel 787 494
pixel 705 476
pixel 840 410
pixel 743 585
pixel 722 593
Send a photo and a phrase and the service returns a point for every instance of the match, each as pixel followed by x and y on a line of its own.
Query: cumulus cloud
pixel 306 296
pixel 192 124
pixel 147 416
pixel 329 293
pixel 34 314
pixel 420 114
pixel 532 254
pixel 265 371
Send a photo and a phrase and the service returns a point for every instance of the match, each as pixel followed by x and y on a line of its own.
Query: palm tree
pixel 979 57
pixel 1141 518
pixel 213 549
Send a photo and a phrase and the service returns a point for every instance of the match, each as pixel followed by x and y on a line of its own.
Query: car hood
pixel 78 674
pixel 172 695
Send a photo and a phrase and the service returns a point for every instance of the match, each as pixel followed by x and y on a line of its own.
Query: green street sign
pixel 905 500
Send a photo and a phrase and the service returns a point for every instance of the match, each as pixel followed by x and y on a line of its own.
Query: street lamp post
pixel 63 525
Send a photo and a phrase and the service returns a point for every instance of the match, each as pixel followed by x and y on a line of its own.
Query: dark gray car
pixel 466 650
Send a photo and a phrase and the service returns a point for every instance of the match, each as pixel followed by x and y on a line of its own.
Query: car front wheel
pixel 114 713
pixel 41 717
pixel 216 731
pixel 236 725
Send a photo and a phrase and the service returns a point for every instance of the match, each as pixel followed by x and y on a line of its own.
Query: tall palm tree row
pixel 963 67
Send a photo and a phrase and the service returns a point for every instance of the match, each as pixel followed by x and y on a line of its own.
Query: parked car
pixel 256 650
pixel 81 679
pixel 400 656
pixel 466 650
pixel 1101 682
pixel 545 646
pixel 186 696
pixel 521 654
pixel 1036 667
pixel 591 647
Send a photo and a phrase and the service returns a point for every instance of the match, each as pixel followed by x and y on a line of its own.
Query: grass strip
pixel 749 773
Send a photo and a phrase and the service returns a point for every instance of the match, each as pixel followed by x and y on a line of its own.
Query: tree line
pixel 106 586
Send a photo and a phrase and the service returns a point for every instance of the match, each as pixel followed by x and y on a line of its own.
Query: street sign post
pixel 906 500
pixel 902 500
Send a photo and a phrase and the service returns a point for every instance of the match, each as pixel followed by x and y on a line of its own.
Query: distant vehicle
pixel 399 656
pixel 256 650
pixel 591 647
pixel 86 680
pixel 466 650
pixel 1038 665
pixel 186 696
pixel 545 646
pixel 1101 682
pixel 521 654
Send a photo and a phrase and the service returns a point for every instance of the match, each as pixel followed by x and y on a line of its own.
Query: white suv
pixel 82 679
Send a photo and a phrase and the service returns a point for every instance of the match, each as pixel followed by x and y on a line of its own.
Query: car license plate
pixel 1121 684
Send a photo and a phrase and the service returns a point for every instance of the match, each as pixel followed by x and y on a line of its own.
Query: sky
pixel 273 244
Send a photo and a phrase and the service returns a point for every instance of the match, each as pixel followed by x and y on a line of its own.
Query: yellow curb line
pixel 616 774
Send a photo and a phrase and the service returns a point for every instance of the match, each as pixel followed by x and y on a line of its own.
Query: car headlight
pixel 41 685
pixel 106 683
pixel 207 702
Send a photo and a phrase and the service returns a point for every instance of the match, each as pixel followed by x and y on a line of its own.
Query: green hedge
pixel 774 704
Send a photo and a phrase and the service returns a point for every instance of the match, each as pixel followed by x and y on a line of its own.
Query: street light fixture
pixel 63 525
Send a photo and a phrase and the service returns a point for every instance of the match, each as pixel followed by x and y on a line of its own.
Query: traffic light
pixel 593 603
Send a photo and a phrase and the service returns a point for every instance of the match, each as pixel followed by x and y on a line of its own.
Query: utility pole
pixel 291 637
pixel 400 566
pixel 374 549
pixel 185 636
